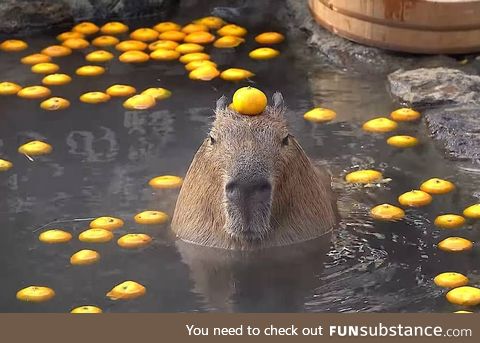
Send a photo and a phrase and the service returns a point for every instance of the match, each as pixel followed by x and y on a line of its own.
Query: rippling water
pixel 104 155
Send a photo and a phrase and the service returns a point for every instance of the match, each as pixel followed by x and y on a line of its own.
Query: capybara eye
pixel 286 140
pixel 211 139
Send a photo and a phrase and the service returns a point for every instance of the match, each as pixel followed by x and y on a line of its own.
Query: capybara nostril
pixel 250 190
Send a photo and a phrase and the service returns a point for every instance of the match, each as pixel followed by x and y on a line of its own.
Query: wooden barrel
pixel 417 26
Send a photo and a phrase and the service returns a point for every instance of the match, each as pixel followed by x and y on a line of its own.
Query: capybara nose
pixel 256 190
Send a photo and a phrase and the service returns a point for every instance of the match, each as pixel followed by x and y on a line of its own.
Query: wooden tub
pixel 417 26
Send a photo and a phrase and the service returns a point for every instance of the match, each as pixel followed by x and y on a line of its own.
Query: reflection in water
pixel 274 279
pixel 84 143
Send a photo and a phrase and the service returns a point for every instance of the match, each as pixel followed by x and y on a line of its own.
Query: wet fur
pixel 303 204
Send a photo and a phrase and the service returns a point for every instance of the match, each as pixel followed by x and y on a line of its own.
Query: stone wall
pixel 31 15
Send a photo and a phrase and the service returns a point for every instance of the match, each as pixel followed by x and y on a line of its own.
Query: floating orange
pixel 166 182
pixel 35 59
pixel 114 28
pixel 232 30
pixel 226 42
pixel 34 92
pixel 269 38
pixel 415 198
pixel 127 45
pixel 76 43
pixel 56 79
pixel 139 102
pixel 437 186
pixel 134 56
pixel 103 41
pixel 87 28
pixel 144 34
pixel 57 51
pixel 200 37
pixel 387 212
pixel 13 45
pixel 55 104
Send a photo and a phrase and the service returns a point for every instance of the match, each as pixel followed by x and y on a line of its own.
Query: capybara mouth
pixel 248 224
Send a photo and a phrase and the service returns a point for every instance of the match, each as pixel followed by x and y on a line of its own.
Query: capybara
pixel 251 185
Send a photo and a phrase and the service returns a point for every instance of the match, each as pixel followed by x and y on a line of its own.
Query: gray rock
pixel 20 15
pixel 30 15
pixel 434 86
pixel 456 129
pixel 352 56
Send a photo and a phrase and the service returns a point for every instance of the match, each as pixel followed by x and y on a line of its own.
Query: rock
pixel 434 86
pixel 456 130
pixel 20 15
pixel 352 56
pixel 31 15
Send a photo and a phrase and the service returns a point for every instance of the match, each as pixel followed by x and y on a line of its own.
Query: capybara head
pixel 251 185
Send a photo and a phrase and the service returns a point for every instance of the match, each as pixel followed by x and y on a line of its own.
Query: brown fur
pixel 303 205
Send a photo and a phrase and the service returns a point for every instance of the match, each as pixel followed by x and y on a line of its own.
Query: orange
pixel 144 34
pixel 449 221
pixel 95 236
pixel 263 53
pixel 114 28
pixel 232 30
pixel 199 63
pixel 5 165
pixel 151 217
pixel 402 141
pixel 364 176
pixel 9 88
pixel 195 56
pixel 269 38
pixel 176 36
pixel 94 97
pixel 455 244
pixel 167 26
pixel 35 294
pixel 236 74
pixel 200 37
pixel 127 290
pixel 69 34
pixel 134 240
pixel 437 186
pixel 472 211
pixel 103 41
pixel 34 92
pixel 387 212
pixel 55 104
pixel 55 236
pixel 35 148
pixel 120 90
pixel 134 56
pixel 127 45
pixel 90 71
pixel 464 296
pixel 164 55
pixel 45 68
pixel 57 51
pixel 249 101
pixel 13 45
pixel 226 42
pixel 84 257
pixel 163 44
pixel 87 28
pixel 35 59
pixel 205 73
pixel 211 22
pixel 380 124
pixel 157 93
pixel 166 182
pixel 450 280
pixel 405 114
pixel 99 56
pixel 415 198
pixel 189 28
pixel 188 48
pixel 86 309
pixel 320 115
pixel 56 79
pixel 107 223
pixel 139 102
pixel 76 43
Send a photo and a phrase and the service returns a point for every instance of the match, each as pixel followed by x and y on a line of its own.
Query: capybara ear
pixel 278 104
pixel 221 104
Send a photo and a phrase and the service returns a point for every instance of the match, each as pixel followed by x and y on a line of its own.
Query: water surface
pixel 104 156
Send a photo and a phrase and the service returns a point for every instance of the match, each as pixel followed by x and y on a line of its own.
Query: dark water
pixel 104 156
